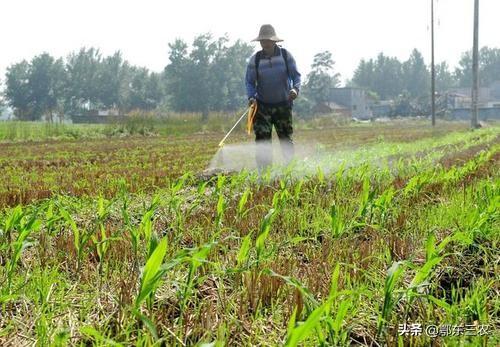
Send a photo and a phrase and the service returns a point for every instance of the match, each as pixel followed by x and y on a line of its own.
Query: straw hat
pixel 267 32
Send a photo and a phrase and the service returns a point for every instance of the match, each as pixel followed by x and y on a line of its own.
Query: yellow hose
pixel 251 117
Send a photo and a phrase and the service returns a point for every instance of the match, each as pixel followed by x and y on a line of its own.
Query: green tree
pixel 384 76
pixel 489 67
pixel 364 75
pixel 199 74
pixel 209 77
pixel 175 77
pixel 17 91
pixel 322 78
pixel 111 81
pixel 415 75
pixel 228 67
pixel 46 85
pixel 82 88
pixel 444 77
pixel 145 89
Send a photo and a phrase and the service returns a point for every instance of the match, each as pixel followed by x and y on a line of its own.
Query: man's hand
pixel 293 94
pixel 251 101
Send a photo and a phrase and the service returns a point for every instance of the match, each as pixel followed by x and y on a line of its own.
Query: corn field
pixel 111 241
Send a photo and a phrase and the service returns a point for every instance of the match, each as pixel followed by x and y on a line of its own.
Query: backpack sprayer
pixel 252 111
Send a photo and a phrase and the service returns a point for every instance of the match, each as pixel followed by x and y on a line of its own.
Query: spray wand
pixel 252 110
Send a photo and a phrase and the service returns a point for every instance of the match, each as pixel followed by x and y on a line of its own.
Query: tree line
pixel 208 75
pixel 388 77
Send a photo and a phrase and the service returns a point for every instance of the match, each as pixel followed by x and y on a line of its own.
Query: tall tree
pixel 382 76
pixel 83 79
pixel 227 69
pixel 202 88
pixel 322 78
pixel 415 76
pixel 111 79
pixel 444 77
pixel 209 77
pixel 175 77
pixel 145 89
pixel 17 91
pixel 489 67
pixel 45 81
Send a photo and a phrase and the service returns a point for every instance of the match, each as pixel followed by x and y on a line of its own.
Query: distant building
pixel 382 108
pixel 484 113
pixel 99 117
pixel 461 97
pixel 353 101
pixel 495 90
pixel 459 101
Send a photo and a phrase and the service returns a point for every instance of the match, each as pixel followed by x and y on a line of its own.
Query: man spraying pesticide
pixel 272 83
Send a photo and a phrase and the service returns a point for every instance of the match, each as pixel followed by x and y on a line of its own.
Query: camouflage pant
pixel 281 118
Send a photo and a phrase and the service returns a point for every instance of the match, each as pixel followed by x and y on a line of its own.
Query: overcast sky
pixel 350 29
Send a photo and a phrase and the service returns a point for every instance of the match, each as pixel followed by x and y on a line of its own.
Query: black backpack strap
pixel 258 55
pixel 284 54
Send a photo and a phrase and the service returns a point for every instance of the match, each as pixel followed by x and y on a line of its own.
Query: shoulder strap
pixel 284 54
pixel 257 62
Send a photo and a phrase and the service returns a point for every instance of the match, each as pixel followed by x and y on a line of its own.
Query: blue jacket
pixel 273 86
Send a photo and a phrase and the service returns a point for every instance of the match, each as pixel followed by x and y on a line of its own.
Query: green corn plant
pixel 179 184
pixel 340 308
pixel 21 243
pixel 318 313
pixel 244 252
pixel 221 208
pixel 11 221
pixel 297 333
pixel 339 337
pixel 382 204
pixel 280 198
pixel 264 233
pixel 79 238
pixel 146 225
pixel 51 218
pixel 221 203
pixel 242 211
pixel 337 222
pixel 195 261
pixel 221 181
pixel 134 232
pixel 152 273
pixel 297 191
pixel 416 183
pixel 390 299
pixel 202 187
pixel 102 243
pixel 366 199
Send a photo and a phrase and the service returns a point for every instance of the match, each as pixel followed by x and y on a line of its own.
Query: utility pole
pixel 475 67
pixel 433 71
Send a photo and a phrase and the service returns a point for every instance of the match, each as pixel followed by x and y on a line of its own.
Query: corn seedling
pixel 79 238
pixel 152 273
pixel 337 223
pixel 21 243
pixel 242 211
pixel 390 299
pixel 264 233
